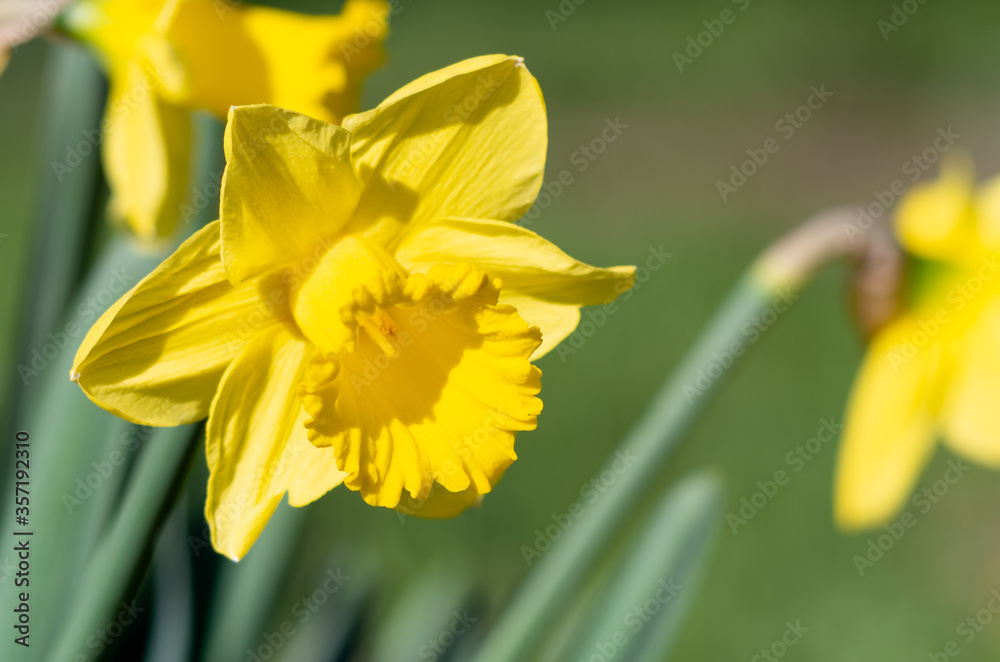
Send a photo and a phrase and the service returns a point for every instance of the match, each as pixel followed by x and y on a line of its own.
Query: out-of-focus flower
pixel 345 320
pixel 165 58
pixel 933 371
pixel 23 20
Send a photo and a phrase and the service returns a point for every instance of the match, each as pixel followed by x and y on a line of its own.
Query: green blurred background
pixel 656 186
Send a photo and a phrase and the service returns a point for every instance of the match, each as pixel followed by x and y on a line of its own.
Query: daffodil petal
pixel 442 407
pixel 988 214
pixel 157 355
pixel 256 442
pixel 556 320
pixel 935 219
pixel 147 154
pixel 240 54
pixel 440 503
pixel 546 285
pixel 288 189
pixel 889 431
pixel 971 419
pixel 466 141
pixel 113 27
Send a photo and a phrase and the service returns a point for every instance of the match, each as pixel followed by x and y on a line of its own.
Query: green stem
pixel 171 631
pixel 555 578
pixel 116 563
pixel 653 438
pixel 664 561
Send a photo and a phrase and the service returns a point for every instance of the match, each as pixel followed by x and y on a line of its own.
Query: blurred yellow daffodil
pixel 165 58
pixel 934 370
pixel 345 320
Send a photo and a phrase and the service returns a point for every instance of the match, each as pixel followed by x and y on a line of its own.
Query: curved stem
pixel 768 284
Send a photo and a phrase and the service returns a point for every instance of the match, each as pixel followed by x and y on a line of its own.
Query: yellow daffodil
pixel 364 311
pixel 934 370
pixel 165 58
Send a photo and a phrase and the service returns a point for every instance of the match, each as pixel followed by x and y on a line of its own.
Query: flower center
pixel 382 330
pixel 444 410
pixel 327 307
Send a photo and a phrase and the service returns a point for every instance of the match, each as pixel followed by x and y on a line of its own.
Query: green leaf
pixel 420 623
pixel 172 626
pixel 119 560
pixel 556 579
pixel 326 628
pixel 639 611
pixel 74 476
pixel 247 591
pixel 72 95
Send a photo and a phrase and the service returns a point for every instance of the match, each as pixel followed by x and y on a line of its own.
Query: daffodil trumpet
pixel 364 312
